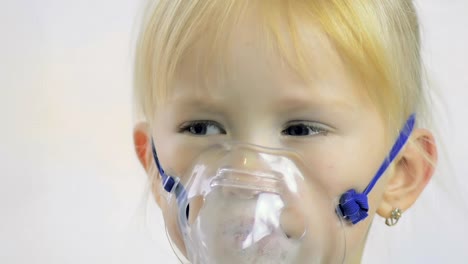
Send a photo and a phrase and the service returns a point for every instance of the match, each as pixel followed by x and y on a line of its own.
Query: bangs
pixel 373 41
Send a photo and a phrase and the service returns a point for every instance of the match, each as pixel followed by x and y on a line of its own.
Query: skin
pixel 260 99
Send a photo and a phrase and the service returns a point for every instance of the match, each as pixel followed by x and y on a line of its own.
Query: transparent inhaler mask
pixel 242 203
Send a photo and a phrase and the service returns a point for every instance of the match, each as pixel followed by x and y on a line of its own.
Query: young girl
pixel 274 131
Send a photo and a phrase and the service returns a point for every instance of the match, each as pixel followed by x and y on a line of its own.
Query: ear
pixel 142 143
pixel 412 171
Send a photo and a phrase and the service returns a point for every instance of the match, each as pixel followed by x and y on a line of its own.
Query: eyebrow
pixel 199 102
pixel 292 103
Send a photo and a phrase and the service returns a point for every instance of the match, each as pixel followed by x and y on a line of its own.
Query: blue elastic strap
pixel 354 206
pixel 169 182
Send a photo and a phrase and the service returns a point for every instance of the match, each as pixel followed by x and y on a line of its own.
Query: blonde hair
pixel 378 40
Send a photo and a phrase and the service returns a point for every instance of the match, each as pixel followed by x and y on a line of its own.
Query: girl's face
pixel 262 101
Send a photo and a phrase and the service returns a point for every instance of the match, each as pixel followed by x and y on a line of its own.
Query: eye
pixel 202 128
pixel 302 129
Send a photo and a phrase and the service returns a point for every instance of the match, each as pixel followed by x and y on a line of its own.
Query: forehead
pixel 249 61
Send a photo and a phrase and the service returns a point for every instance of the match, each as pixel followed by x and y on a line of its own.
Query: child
pixel 274 131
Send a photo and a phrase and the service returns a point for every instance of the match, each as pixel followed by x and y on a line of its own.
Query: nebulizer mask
pixel 243 203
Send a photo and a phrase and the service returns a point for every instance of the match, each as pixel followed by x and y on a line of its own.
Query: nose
pixel 246 185
pixel 260 133
pixel 249 175
pixel 246 172
pixel 248 157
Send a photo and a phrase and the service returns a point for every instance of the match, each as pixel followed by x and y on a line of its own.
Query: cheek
pixel 176 154
pixel 352 166
pixel 172 228
pixel 340 172
pixel 351 160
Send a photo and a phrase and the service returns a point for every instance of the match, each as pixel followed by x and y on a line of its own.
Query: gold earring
pixel 394 217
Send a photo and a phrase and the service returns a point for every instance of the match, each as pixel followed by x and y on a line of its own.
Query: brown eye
pixel 202 128
pixel 198 129
pixel 302 129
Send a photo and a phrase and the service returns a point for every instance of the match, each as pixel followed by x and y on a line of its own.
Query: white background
pixel 70 185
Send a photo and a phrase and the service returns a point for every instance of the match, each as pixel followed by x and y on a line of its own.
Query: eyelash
pixel 190 127
pixel 311 127
pixel 194 127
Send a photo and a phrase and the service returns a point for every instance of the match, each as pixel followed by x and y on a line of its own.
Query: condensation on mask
pixel 242 203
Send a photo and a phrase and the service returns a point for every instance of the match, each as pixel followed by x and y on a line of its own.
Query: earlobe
pixel 141 142
pixel 412 171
